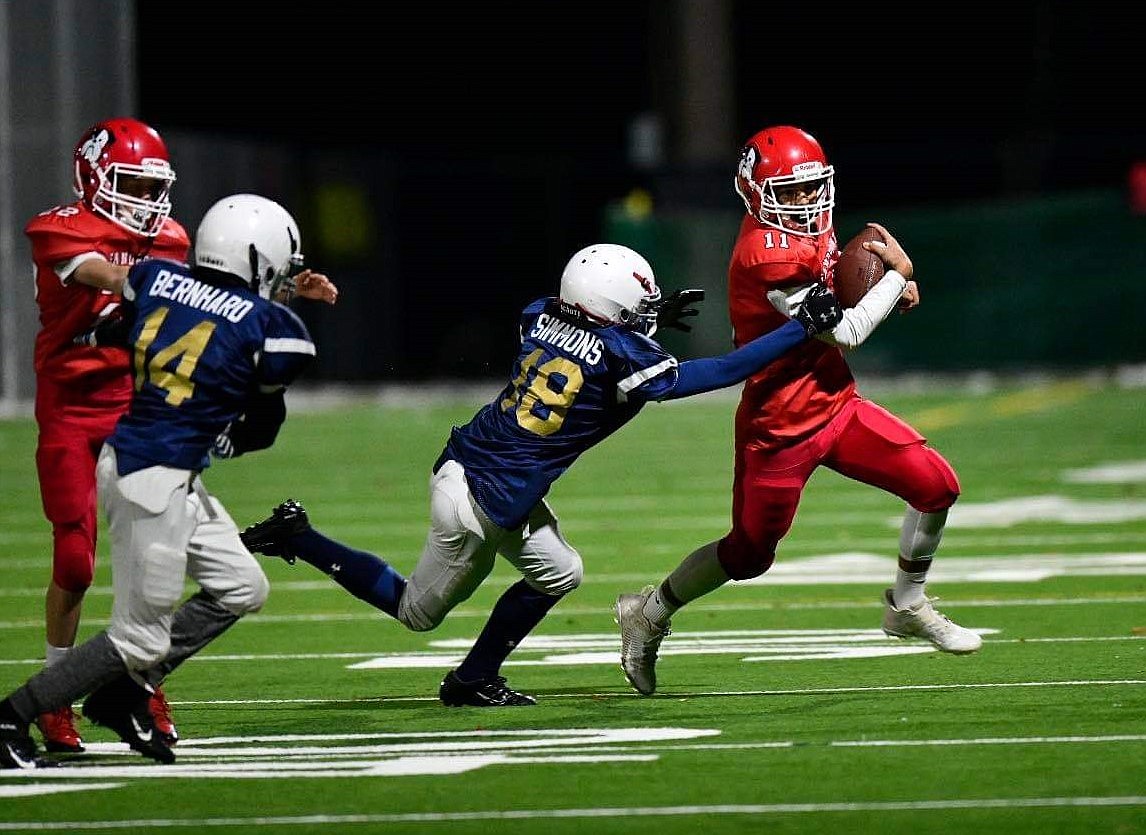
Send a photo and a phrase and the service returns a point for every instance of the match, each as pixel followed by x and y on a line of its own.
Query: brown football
pixel 857 270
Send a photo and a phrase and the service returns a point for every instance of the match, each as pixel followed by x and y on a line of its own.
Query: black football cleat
pixel 18 749
pixel 486 692
pixel 269 536
pixel 122 706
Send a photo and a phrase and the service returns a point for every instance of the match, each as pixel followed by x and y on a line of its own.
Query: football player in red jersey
pixel 803 410
pixel 123 178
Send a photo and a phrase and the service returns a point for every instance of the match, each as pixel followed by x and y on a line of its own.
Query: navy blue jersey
pixel 199 349
pixel 572 387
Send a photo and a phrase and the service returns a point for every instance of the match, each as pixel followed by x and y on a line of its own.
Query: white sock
pixel 919 539
pixel 657 609
pixel 698 574
pixel 54 655
pixel 909 584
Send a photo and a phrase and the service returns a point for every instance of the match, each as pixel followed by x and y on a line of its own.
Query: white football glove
pixel 788 301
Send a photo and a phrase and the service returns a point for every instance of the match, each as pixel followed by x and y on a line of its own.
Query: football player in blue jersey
pixel 587 365
pixel 212 354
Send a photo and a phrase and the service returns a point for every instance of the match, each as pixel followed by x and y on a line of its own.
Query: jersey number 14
pixel 188 348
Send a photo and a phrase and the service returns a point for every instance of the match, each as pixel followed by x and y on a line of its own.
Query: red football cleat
pixel 59 730
pixel 161 714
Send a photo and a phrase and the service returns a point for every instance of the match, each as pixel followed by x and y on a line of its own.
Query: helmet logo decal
pixel 155 166
pixel 748 159
pixel 94 147
pixel 806 168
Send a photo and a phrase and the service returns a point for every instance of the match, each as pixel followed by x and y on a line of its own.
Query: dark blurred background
pixel 445 159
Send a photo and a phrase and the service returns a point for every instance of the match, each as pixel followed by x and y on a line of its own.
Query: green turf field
pixel 782 706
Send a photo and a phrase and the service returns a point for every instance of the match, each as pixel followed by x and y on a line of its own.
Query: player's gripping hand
pixel 819 311
pixel 672 311
pixel 311 285
pixel 113 327
pixel 224 447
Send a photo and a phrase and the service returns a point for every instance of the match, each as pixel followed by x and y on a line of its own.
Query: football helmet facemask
pixel 609 284
pixel 254 239
pixel 785 181
pixel 122 171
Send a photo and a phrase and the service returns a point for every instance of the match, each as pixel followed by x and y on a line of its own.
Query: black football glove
pixel 672 310
pixel 819 311
pixel 255 429
pixel 113 327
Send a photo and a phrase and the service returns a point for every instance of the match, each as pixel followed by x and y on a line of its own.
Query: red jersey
pixel 797 394
pixel 67 307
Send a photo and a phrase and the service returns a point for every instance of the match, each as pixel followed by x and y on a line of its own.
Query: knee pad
pixel 561 579
pixel 415 619
pixel 250 591
pixel 140 649
pixel 938 486
pixel 73 557
pixel 740 560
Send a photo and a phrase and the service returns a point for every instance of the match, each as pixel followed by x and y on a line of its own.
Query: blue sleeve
pixel 711 373
pixel 287 348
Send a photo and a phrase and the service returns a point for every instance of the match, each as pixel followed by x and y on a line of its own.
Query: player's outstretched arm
pixel 818 311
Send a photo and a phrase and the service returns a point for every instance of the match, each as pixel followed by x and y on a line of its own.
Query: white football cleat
pixel 923 621
pixel 640 640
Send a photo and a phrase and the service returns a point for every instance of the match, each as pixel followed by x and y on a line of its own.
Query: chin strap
pixel 253 259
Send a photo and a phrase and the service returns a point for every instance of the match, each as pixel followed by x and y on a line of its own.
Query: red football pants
pixel 74 420
pixel 864 442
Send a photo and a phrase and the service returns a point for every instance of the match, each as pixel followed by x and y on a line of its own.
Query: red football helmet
pixel 786 182
pixel 122 172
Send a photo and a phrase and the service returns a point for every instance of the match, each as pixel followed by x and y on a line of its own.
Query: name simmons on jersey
pixel 210 299
pixel 568 337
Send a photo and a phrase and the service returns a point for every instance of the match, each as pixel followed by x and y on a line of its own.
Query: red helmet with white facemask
pixel 786 182
pixel 122 171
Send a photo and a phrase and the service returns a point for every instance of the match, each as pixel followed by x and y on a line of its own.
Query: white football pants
pixel 461 546
pixel 164 526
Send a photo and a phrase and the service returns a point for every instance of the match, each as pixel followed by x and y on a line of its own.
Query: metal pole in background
pixel 706 88
pixel 64 61
pixel 64 64
pixel 9 353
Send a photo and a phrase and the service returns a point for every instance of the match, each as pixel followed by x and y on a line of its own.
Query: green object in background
pixel 344 221
pixel 633 222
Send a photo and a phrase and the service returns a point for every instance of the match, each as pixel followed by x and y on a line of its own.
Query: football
pixel 857 270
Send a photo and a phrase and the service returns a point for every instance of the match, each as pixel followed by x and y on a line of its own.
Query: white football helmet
pixel 611 285
pixel 253 238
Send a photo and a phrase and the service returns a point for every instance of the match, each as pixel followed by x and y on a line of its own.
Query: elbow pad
pixel 860 321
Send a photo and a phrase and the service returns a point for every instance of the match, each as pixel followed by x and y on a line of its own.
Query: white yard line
pixel 668 694
pixel 588 813
pixel 700 606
